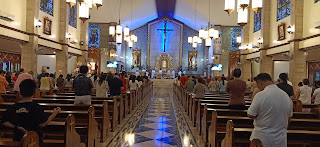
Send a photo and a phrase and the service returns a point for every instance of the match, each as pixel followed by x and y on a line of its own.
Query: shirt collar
pixel 271 86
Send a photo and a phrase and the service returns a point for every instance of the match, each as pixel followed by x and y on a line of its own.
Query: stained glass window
pixel 73 16
pixel 316 1
pixel 235 32
pixel 257 21
pixel 283 9
pixel 47 6
pixel 94 35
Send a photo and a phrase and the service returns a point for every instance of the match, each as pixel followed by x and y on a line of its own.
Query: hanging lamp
pixel 229 6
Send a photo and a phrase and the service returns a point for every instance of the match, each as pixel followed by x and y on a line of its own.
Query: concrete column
pixel 245 34
pixel 29 58
pixel 298 66
pixel 266 63
pixel 84 37
pixel 61 56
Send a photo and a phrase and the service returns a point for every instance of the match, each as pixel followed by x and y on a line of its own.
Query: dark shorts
pixel 237 107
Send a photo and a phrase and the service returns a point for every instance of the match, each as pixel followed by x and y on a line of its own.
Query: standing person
pixel 271 110
pixel 20 78
pixel 209 80
pixel 82 87
pixel 94 80
pixel 68 81
pixel 200 89
pixel 8 77
pixel 102 86
pixel 316 94
pixel 133 83
pixel 124 81
pixel 26 115
pixel 223 84
pixel 46 82
pixel 115 86
pixel 194 79
pixel 183 80
pixel 189 85
pixel 285 86
pixel 43 72
pixel 3 83
pixel 31 73
pixel 214 85
pixel 237 90
pixel 52 79
pixel 60 82
pixel 140 80
pixel 304 94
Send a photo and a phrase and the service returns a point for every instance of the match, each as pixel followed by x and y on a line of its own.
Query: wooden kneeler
pixel 72 138
pixel 228 139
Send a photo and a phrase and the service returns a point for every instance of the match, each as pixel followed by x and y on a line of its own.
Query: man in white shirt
pixel 271 110
pixel 316 94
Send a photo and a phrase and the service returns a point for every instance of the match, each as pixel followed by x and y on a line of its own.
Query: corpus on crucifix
pixel 165 31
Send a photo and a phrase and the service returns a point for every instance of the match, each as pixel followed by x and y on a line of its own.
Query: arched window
pixel 94 36
pixel 47 6
pixel 235 32
pixel 73 16
pixel 283 9
pixel 257 21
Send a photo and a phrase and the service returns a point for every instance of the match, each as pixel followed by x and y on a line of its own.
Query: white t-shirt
pixel 316 93
pixel 305 94
pixel 290 83
pixel 273 108
pixel 133 86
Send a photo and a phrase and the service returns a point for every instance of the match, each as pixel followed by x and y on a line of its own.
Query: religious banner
pixel 94 36
pixel 235 32
pixel 218 43
pixel 136 58
pixel 192 61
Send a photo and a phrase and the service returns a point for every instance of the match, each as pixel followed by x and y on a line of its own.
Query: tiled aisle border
pixel 184 126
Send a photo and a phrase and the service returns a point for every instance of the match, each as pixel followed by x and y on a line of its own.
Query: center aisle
pixel 158 125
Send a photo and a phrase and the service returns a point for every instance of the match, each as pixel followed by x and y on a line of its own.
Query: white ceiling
pixel 146 10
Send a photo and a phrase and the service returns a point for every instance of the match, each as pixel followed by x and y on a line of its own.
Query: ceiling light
pixel 119 29
pixel 256 5
pixel 71 2
pixel 243 17
pixel 130 43
pixel 199 40
pixel 208 42
pixel 112 30
pixel 211 33
pixel 119 39
pixel 215 34
pixel 201 33
pixel 194 45
pixel 195 39
pixel 190 40
pixel 229 6
pixel 126 31
pixel 97 3
pixel 84 12
pixel 244 3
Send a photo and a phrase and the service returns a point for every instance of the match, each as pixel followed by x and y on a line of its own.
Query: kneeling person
pixel 25 115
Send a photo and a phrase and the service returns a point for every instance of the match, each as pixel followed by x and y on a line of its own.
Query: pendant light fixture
pixel 119 27
pixel 84 12
pixel 71 2
pixel 201 33
pixel 243 17
pixel 126 31
pixel 229 6
pixel 256 5
pixel 130 44
pixel 195 38
pixel 244 3
pixel 130 38
pixel 97 3
pixel 189 39
pixel 112 31
pixel 208 42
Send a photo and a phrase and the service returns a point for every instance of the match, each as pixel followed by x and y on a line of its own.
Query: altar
pixel 164 67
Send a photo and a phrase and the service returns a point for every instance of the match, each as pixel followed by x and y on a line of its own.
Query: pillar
pixel 298 66
pixel 84 37
pixel 29 58
pixel 245 34
pixel 266 63
pixel 61 56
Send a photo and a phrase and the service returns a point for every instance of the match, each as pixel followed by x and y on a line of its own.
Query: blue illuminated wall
pixel 142 44
pixel 188 47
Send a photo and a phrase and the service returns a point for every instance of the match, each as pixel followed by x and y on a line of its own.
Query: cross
pixel 165 31
pixel 32 143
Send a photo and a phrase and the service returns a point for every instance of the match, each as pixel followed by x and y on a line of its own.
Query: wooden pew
pixel 31 139
pixel 236 136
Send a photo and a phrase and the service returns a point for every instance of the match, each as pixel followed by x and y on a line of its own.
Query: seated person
pixel 25 115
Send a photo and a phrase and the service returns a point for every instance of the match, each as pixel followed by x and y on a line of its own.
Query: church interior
pixel 168 46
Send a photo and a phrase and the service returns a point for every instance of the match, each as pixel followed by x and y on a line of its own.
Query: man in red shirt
pixel 183 80
pixel 209 80
pixel 237 89
pixel 124 81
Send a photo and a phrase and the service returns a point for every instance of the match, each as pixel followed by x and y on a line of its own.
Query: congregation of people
pixel 83 84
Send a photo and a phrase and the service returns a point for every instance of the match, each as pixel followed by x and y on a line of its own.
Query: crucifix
pixel 165 31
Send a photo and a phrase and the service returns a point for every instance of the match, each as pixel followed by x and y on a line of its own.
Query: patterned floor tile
pixel 152 143
pixel 142 128
pixel 139 138
pixel 158 119
pixel 157 125
pixel 172 140
pixel 171 130
pixel 155 134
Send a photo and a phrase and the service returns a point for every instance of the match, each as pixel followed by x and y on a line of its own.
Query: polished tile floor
pixel 158 125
